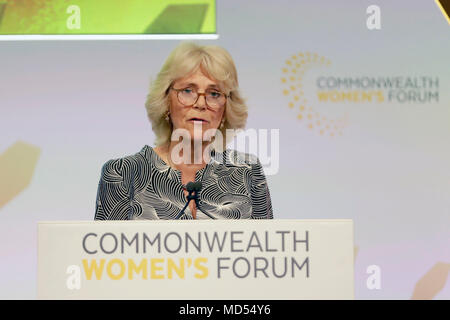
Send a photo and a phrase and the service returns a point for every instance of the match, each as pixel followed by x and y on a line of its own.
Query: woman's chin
pixel 201 134
pixel 196 134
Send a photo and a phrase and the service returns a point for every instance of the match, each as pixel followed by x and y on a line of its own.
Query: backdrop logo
pixel 292 78
pixel 346 90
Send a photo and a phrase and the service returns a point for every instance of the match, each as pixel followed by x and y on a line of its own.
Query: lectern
pixel 204 259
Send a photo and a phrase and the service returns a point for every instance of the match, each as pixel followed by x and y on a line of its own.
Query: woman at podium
pixel 195 108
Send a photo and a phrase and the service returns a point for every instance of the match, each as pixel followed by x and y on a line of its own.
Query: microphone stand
pixel 189 198
pixel 193 188
pixel 198 206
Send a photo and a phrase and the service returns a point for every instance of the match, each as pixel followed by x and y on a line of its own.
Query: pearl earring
pixel 167 116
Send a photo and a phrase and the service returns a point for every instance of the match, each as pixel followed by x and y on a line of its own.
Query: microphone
pixel 197 186
pixel 193 188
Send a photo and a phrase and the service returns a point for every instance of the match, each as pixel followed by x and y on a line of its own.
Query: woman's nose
pixel 201 102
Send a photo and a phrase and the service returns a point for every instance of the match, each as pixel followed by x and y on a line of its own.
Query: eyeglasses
pixel 189 96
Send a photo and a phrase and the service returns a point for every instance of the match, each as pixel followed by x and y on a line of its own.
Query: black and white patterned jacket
pixel 143 186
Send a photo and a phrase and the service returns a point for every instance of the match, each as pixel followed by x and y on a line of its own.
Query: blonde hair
pixel 216 63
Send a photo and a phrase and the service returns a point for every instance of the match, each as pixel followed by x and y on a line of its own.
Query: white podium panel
pixel 207 259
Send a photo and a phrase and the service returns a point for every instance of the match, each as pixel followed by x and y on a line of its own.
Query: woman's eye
pixel 187 90
pixel 214 94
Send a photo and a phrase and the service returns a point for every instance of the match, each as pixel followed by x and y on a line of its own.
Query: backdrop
pixel 363 118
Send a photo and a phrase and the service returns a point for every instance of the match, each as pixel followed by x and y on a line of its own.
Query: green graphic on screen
pixel 84 17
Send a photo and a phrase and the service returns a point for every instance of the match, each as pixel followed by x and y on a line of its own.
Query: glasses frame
pixel 198 96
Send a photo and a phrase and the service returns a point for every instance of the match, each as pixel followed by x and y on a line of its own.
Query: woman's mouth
pixel 196 120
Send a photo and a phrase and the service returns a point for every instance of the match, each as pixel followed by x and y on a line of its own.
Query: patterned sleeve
pixel 112 197
pixel 261 202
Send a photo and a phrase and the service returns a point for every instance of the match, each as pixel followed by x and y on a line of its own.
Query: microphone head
pixel 190 186
pixel 198 186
